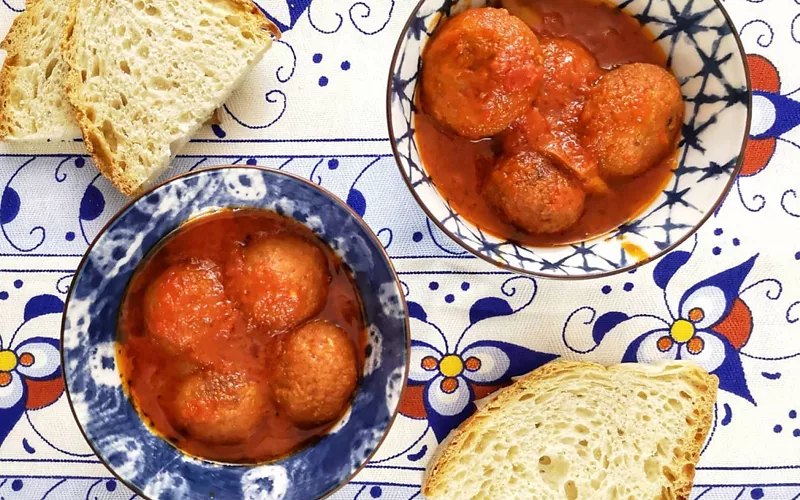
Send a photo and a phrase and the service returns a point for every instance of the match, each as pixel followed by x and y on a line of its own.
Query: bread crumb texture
pixel 33 106
pixel 144 75
pixel 575 430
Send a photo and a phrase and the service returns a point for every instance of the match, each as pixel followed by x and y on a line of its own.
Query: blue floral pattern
pixel 53 204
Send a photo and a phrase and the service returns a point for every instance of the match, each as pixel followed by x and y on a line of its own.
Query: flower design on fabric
pixel 443 384
pixel 709 326
pixel 766 88
pixel 30 369
pixel 775 114
pixel 449 379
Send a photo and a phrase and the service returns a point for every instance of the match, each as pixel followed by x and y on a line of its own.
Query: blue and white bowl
pixel 147 463
pixel 706 56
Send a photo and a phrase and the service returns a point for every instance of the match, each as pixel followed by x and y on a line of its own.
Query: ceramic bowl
pixel 706 56
pixel 146 462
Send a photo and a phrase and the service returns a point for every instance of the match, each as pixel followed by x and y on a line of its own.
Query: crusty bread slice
pixel 573 430
pixel 144 75
pixel 33 106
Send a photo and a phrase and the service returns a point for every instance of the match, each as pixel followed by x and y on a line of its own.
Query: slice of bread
pixel 33 105
pixel 574 430
pixel 144 75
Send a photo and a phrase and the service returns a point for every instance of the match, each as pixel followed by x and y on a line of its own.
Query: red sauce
pixel 458 166
pixel 152 374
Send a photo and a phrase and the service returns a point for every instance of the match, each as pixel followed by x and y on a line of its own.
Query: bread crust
pixel 96 145
pixel 695 434
pixel 12 44
pixel 18 44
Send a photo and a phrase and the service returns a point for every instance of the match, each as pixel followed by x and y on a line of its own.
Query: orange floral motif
pixel 26 359
pixel 473 364
pixel 764 77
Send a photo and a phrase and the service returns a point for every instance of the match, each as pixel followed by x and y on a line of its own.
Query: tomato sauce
pixel 151 374
pixel 458 166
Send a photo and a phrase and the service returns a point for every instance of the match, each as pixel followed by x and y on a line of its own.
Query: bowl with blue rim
pixel 705 55
pixel 146 462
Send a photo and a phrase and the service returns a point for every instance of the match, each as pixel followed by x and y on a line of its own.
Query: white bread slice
pixel 33 105
pixel 146 74
pixel 575 430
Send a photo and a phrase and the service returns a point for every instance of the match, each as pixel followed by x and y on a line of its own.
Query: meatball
pixel 533 194
pixel 481 71
pixel 532 132
pixel 317 368
pixel 186 311
pixel 219 408
pixel 569 72
pixel 631 118
pixel 280 280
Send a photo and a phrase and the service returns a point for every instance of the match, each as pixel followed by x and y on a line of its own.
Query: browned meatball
pixel 533 132
pixel 533 194
pixel 279 280
pixel 569 72
pixel 317 370
pixel 219 408
pixel 481 70
pixel 632 117
pixel 186 310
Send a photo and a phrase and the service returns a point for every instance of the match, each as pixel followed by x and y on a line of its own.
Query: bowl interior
pixel 111 424
pixel 705 55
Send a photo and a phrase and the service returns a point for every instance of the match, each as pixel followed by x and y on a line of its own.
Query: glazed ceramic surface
pixel 114 428
pixel 705 55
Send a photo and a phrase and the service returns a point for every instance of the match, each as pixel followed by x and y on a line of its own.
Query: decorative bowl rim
pixel 569 277
pixel 335 199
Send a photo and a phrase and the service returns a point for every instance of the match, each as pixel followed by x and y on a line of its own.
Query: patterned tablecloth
pixel 315 107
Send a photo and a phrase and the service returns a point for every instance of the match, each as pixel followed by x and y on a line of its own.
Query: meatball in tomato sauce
pixel 318 368
pixel 280 280
pixel 632 117
pixel 569 73
pixel 534 194
pixel 549 128
pixel 186 309
pixel 220 407
pixel 482 69
pixel 533 132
